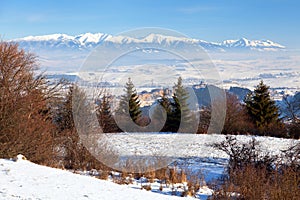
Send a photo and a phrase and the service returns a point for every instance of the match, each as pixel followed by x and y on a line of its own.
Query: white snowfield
pixel 26 180
pixel 185 145
pixel 22 179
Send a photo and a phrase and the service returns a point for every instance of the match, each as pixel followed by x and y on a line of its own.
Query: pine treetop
pixel 129 102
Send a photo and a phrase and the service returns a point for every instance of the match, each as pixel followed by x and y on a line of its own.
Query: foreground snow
pixel 26 180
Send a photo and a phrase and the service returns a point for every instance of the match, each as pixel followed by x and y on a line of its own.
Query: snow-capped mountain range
pixel 88 41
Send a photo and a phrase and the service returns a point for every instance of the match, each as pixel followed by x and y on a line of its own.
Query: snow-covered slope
pixel 26 180
pixel 89 40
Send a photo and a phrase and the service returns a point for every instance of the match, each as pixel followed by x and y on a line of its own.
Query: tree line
pixel 257 114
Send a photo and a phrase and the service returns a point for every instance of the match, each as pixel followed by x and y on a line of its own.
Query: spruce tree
pixel 64 117
pixel 104 115
pixel 261 108
pixel 129 103
pixel 181 111
pixel 179 116
pixel 168 106
pixel 177 109
pixel 174 117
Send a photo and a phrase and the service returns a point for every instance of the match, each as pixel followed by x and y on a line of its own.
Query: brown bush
pixel 236 121
pixel 253 183
pixel 146 187
pixel 204 122
pixel 25 124
pixel 250 176
pixel 274 130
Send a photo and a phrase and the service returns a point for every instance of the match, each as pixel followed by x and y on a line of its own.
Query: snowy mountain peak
pixel 243 42
pixel 154 38
pixel 90 37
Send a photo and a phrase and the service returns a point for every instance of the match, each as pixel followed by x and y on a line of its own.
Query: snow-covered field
pixel 25 180
pixel 188 151
pixel 184 145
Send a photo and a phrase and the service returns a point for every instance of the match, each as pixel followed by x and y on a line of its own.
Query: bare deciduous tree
pixel 291 113
pixel 237 120
pixel 25 125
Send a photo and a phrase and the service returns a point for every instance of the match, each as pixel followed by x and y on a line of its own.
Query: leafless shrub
pixel 103 174
pixel 204 122
pixel 236 120
pixel 243 154
pixel 252 176
pixel 291 157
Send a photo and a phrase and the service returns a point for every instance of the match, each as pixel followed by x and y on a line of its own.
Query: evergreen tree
pixel 174 116
pixel 104 115
pixel 261 108
pixel 63 116
pixel 130 103
pixel 181 111
pixel 168 106
pixel 73 108
pixel 177 109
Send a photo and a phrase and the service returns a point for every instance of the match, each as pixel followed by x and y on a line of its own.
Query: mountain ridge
pixel 91 40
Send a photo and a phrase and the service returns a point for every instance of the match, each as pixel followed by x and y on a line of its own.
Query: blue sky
pixel 211 20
